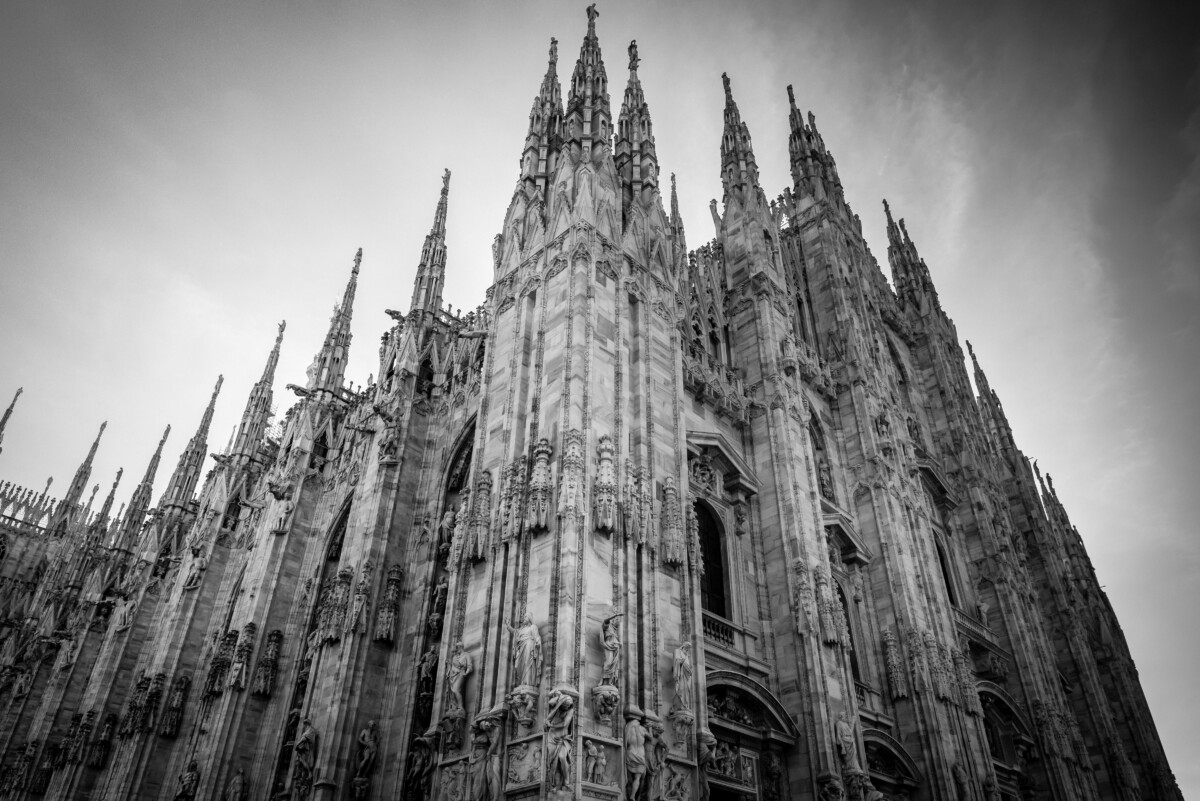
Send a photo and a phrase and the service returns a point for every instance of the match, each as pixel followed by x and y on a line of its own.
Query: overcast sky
pixel 177 178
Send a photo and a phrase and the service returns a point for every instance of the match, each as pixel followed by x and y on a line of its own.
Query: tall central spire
pixel 588 118
pixel 187 472
pixel 68 509
pixel 329 367
pixel 635 155
pixel 8 413
pixel 544 138
pixel 431 273
pixel 258 407
pixel 739 171
pixel 139 502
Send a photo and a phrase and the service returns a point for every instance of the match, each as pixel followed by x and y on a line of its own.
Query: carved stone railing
pixel 714 384
pixel 973 628
pixel 720 631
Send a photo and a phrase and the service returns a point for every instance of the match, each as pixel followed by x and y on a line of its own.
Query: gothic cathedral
pixel 651 524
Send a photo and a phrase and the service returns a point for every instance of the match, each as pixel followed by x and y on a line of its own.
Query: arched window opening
pixel 233 513
pixel 854 668
pixel 728 346
pixel 946 575
pixel 337 536
pixel 714 347
pixel 320 451
pixel 425 377
pixel 713 592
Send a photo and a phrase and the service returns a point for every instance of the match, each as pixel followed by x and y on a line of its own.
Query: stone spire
pixel 814 171
pixel 739 170
pixel 68 509
pixel 102 520
pixel 634 154
pixel 187 471
pixel 8 413
pixel 544 138
pixel 328 369
pixel 910 276
pixel 431 272
pixel 139 502
pixel 588 119
pixel 253 427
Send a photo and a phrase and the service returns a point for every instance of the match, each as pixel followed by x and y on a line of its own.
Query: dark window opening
pixel 946 577
pixel 712 583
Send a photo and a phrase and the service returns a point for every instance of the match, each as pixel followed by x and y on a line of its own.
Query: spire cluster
pixel 431 272
pixel 588 120
pixel 328 369
pixel 739 170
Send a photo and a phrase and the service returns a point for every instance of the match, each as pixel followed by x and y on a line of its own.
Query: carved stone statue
pixel 456 677
pixel 357 620
pixel 706 747
pixel 610 639
pixel 635 754
pixel 521 702
pixel 304 757
pixel 196 570
pixel 173 716
pixel 485 756
pixel 527 653
pixel 559 719
pixel 189 781
pixel 238 787
pixel 368 749
pixel 683 674
pixel 846 745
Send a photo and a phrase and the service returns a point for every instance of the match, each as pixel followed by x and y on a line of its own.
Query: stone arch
pixel 890 767
pixel 752 734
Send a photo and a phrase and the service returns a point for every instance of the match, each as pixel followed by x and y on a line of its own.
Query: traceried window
pixel 713 587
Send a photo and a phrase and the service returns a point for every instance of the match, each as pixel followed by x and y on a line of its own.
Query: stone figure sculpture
pixel 304 756
pixel 368 749
pixel 189 781
pixel 610 639
pixel 559 719
pixel 635 755
pixel 527 653
pixel 846 745
pixel 238 787
pixel 456 677
pixel 683 673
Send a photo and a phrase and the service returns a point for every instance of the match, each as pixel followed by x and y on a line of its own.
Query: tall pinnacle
pixel 139 502
pixel 431 272
pixel 187 471
pixel 102 517
pixel 814 171
pixel 739 170
pixel 79 483
pixel 910 276
pixel 588 118
pixel 329 367
pixel 253 426
pixel 544 138
pixel 634 154
pixel 8 413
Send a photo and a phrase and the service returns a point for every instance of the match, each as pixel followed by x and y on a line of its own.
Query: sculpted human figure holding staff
pixel 527 653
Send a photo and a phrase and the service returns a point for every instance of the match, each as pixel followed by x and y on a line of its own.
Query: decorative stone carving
pixel 333 606
pixel 560 718
pixel 368 750
pixel 527 653
pixel 522 702
pixel 825 481
pixel 656 758
pixel 389 607
pixel 239 670
pixel 610 641
pixel 605 507
pixel 539 488
pixel 706 751
pixel 703 475
pixel 133 707
pixel 486 734
pixel 524 764
pixel 304 758
pixel 267 668
pixel 238 788
pixel 97 756
pixel 173 716
pixel 897 678
pixel 595 762
pixel 605 699
pixel 356 622
pixel 511 494
pixel 195 570
pixel 672 545
pixel 636 763
pixel 683 674
pixel 446 532
pixel 479 539
pixel 218 668
pixel 635 521
pixel 829 787
pixel 916 660
pixel 460 667
pixel 189 782
pixel 825 607
pixel 847 743
pixel 571 493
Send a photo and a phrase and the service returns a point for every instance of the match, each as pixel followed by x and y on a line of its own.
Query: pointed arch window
pixel 714 586
pixel 947 575
pixel 855 670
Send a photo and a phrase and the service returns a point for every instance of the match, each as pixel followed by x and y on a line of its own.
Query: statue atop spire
pixel 8 413
pixel 329 366
pixel 431 272
pixel 553 51
pixel 633 56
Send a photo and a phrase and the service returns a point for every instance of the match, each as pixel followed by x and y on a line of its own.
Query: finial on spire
pixel 357 260
pixel 445 185
pixel 728 91
pixel 553 50
pixel 633 56
pixel 282 328
pixel 791 96
pixel 592 13
pixel 887 210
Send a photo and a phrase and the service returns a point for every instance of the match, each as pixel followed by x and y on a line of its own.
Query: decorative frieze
pixel 672 545
pixel 389 607
pixel 267 669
